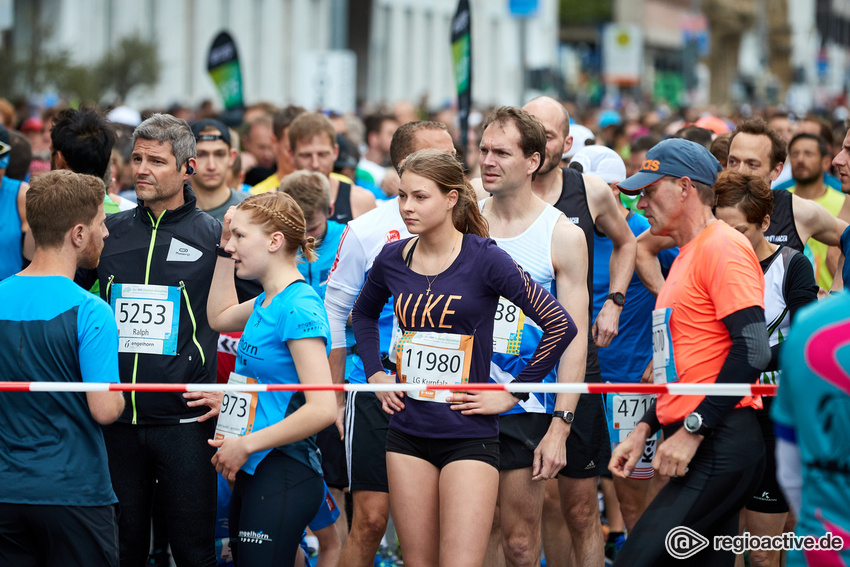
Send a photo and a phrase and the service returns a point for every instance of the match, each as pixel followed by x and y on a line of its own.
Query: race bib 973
pixel 236 417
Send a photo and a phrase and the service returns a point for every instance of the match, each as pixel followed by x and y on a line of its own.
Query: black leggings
pixel 178 456
pixel 720 480
pixel 270 509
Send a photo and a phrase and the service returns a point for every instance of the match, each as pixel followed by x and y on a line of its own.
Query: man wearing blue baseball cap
pixel 676 157
pixel 707 327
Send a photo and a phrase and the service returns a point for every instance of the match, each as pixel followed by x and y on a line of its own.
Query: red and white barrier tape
pixel 583 388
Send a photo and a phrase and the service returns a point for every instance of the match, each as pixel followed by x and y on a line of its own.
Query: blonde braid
pixel 279 216
pixel 307 245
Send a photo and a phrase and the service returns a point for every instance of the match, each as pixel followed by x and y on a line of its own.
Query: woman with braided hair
pixel 266 442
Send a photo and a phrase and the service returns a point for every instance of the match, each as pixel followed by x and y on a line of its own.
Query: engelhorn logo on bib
pixel 182 252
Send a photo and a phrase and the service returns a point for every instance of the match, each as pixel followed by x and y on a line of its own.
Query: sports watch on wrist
pixel 219 251
pixel 694 424
pixel 567 416
pixel 618 298
pixel 521 396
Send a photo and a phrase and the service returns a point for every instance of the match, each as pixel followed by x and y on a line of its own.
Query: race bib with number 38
pixel 507 327
pixel 236 417
pixel 147 316
pixel 433 358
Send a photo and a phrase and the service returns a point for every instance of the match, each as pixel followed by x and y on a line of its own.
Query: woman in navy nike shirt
pixel 442 461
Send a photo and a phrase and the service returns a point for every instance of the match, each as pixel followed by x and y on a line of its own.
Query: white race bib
pixel 148 317
pixel 507 327
pixel 433 358
pixel 626 410
pixel 663 361
pixel 236 417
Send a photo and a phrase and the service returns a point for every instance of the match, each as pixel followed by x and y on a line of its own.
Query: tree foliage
pixel 133 63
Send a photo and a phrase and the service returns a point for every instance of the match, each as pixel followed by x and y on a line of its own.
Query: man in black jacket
pixel 155 272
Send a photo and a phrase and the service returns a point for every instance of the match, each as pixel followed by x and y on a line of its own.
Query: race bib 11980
pixel 433 358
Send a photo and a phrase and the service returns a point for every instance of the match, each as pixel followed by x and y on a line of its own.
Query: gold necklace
pixel 445 264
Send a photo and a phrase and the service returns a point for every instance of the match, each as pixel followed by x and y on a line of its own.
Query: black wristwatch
pixel 618 298
pixel 219 251
pixel 567 416
pixel 694 424
pixel 521 396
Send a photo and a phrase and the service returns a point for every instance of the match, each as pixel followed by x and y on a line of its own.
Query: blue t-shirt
pixel 845 249
pixel 813 407
pixel 356 374
pixel 11 255
pixel 294 313
pixel 625 359
pixel 51 448
pixel 316 273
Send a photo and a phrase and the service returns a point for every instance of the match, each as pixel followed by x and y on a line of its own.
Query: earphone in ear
pixel 189 170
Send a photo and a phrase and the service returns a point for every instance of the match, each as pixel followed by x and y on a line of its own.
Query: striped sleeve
pixel 558 328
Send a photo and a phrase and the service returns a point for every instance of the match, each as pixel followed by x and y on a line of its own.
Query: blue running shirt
pixel 294 313
pixel 51 448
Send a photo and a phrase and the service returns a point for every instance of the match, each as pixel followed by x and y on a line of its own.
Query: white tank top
pixel 776 313
pixel 533 248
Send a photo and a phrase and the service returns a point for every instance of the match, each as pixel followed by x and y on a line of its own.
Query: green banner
pixel 669 87
pixel 223 66
pixel 461 39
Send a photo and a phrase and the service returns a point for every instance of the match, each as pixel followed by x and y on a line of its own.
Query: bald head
pixel 551 113
pixel 556 122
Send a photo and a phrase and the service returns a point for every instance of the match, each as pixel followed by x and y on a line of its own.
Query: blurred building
pixel 768 52
pixel 392 49
pixel 675 36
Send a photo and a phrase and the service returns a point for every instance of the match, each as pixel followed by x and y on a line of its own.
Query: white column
pixel 170 21
pixel 207 22
pixel 271 38
pixel 379 54
pixel 401 65
pixel 238 21
pixel 421 49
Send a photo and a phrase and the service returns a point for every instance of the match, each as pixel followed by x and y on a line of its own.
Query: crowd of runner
pixel 558 245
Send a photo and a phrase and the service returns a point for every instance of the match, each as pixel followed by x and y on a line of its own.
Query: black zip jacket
pixel 177 249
